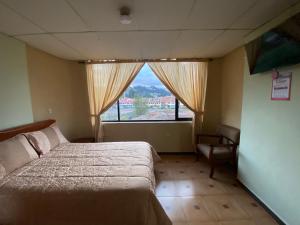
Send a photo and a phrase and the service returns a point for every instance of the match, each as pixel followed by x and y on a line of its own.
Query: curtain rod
pixel 105 61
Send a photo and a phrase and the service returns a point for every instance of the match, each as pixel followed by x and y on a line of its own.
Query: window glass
pixel 111 114
pixel 184 112
pixel 147 99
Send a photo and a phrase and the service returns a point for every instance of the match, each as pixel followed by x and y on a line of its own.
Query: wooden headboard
pixel 11 132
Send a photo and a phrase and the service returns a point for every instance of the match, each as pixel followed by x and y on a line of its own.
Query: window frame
pixel 176 111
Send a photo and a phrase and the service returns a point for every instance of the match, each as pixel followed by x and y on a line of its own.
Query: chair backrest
pixel 230 133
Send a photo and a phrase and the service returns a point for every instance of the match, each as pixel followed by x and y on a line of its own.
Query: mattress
pixel 91 183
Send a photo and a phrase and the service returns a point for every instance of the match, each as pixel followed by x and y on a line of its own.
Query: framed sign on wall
pixel 281 86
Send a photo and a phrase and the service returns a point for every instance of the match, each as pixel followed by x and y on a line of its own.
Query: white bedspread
pixel 95 183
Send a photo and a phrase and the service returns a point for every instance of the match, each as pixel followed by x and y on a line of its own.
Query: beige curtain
pixel 106 83
pixel 187 81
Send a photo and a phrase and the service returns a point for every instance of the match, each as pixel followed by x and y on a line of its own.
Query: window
pixel 184 112
pixel 147 99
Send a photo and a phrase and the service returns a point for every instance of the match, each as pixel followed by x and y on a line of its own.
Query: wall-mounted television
pixel 275 48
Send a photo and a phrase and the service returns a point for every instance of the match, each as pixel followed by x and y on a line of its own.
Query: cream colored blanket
pixel 88 184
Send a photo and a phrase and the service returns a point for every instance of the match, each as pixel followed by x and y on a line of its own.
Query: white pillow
pixel 46 139
pixel 14 153
pixel 61 137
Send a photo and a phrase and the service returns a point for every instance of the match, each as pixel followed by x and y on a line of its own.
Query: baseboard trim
pixel 274 216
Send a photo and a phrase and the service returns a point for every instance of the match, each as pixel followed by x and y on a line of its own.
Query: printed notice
pixel 281 87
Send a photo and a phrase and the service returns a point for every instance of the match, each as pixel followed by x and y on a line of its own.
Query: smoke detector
pixel 125 17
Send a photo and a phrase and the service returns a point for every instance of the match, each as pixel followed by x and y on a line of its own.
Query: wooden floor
pixel 189 197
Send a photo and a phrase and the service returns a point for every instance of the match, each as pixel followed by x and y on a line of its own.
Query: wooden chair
pixel 224 150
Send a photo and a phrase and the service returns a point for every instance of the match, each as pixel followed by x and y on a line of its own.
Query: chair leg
pixel 212 169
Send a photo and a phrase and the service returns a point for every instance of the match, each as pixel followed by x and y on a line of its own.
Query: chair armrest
pixel 212 146
pixel 222 145
pixel 207 135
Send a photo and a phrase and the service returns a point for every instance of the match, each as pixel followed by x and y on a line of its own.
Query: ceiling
pixel 90 29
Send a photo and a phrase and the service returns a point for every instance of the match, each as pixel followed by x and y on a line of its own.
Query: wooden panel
pixel 11 132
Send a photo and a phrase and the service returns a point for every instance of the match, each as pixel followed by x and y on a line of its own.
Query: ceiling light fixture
pixel 125 17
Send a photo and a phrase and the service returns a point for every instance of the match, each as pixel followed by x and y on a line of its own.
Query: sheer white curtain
pixel 106 83
pixel 187 81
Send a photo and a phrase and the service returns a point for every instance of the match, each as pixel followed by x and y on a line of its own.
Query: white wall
pixel 163 136
pixel 15 101
pixel 59 85
pixel 269 159
pixel 232 87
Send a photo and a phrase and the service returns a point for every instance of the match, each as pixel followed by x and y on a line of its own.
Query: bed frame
pixel 11 132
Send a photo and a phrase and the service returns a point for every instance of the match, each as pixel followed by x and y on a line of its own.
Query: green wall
pixel 269 160
pixel 15 100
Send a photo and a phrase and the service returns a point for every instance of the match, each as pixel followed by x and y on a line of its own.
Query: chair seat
pixel 219 153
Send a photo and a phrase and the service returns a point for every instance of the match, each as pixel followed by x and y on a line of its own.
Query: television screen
pixel 276 48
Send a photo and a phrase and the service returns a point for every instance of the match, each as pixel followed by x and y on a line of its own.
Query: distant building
pixel 158 102
pixel 153 102
pixel 126 102
pixel 167 101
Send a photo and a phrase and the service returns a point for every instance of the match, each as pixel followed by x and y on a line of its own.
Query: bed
pixel 89 183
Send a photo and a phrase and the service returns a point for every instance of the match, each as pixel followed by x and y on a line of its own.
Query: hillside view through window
pixel 146 99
